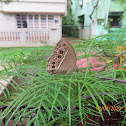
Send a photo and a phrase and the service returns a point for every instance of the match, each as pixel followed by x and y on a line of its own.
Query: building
pixel 98 17
pixel 31 22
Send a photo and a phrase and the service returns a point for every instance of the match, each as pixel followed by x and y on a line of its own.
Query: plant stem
pixel 113 60
pixel 117 80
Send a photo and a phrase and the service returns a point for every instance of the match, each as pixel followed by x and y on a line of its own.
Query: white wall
pixel 7 21
pixel 42 6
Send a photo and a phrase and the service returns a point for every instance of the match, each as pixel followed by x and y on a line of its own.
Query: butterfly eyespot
pixel 61 52
pixel 59 56
pixel 53 66
pixel 53 62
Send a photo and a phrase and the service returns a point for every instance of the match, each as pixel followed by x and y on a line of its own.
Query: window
pixel 50 20
pixel 21 21
pixel 43 21
pixel 115 20
pixel 34 21
pixel 81 21
pixel 30 21
pixel 57 19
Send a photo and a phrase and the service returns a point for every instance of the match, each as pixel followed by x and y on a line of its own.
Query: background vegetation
pixel 69 25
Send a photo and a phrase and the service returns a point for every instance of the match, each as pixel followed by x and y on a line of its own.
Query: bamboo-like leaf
pixel 95 101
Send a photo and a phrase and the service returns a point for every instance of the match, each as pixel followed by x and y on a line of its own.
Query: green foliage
pixel 122 1
pixel 6 1
pixel 38 88
pixel 70 28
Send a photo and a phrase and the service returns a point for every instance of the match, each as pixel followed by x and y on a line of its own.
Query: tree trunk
pixel 93 9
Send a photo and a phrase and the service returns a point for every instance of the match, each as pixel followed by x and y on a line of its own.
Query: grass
pixel 51 91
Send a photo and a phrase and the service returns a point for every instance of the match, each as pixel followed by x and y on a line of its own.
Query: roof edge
pixel 33 12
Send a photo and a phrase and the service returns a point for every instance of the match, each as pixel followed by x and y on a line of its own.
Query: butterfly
pixel 63 59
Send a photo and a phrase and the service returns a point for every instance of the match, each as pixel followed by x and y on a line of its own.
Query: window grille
pixel 34 21
pixel 21 20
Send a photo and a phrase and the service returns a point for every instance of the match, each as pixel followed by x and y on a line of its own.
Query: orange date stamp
pixel 110 108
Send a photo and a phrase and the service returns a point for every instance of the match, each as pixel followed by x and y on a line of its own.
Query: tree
pixel 69 24
pixel 5 1
pixel 94 7
pixel 69 8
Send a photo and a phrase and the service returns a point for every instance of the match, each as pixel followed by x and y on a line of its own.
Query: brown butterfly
pixel 63 59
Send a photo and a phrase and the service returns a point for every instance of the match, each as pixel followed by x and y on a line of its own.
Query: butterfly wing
pixel 63 59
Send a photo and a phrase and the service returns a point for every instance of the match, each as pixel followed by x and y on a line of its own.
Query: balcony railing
pixel 24 35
